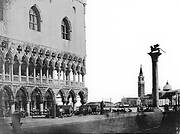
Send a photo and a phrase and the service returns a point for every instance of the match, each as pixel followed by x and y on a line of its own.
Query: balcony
pixel 37 80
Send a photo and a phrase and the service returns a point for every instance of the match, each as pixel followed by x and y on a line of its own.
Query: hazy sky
pixel 119 34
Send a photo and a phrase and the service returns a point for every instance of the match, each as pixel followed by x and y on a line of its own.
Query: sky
pixel 119 34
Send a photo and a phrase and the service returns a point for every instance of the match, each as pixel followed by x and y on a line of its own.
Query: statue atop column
pixel 155 53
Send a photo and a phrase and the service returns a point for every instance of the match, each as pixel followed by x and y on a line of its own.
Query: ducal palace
pixel 42 55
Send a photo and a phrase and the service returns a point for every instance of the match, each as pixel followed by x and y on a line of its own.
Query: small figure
pixel 61 112
pixel 102 107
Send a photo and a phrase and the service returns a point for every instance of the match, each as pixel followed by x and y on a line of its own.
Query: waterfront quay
pixel 106 123
pixel 132 122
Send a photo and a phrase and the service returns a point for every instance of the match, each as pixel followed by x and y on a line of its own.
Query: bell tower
pixel 141 83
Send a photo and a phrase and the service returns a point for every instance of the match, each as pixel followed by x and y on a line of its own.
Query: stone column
pixel 83 78
pixel 47 76
pixel 63 75
pixel 59 77
pixel 19 71
pixel 21 106
pixel 155 85
pixel 27 73
pixel 28 108
pixel 41 75
pixel 12 71
pixel 54 110
pixel 74 77
pixel 3 71
pixel 34 74
pixel 12 108
pixel 78 77
pixel 41 107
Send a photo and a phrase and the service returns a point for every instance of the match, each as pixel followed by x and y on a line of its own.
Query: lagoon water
pixel 169 125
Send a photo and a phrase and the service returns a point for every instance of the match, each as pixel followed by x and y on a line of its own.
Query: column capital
pixel 154 56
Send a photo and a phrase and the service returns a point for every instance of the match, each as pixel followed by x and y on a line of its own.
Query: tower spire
pixel 141 72
pixel 141 83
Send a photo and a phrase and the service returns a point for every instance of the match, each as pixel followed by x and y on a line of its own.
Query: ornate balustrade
pixel 44 81
pixel 16 78
pixel 7 77
pixel 23 78
pixel 31 79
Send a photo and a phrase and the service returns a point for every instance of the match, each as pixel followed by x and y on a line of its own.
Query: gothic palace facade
pixel 42 55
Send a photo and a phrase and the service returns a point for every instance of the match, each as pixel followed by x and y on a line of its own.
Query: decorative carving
pixel 47 53
pixel 19 49
pixel 59 56
pixel 41 52
pixel 53 55
pixel 4 44
pixel 27 49
pixel 35 50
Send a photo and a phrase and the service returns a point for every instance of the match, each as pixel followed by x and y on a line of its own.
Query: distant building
pixel 147 100
pixel 141 83
pixel 169 96
pixel 130 101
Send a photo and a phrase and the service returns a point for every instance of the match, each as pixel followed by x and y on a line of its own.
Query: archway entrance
pixel 49 102
pixel 60 98
pixel 6 102
pixel 36 101
pixel 21 100
pixel 71 99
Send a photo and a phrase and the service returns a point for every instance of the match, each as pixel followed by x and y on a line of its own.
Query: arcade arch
pixel 49 101
pixel 21 99
pixel 7 100
pixel 36 100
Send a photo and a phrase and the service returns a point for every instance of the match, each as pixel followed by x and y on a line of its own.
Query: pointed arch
pixel 7 99
pixel 16 65
pixel 31 66
pixel 49 101
pixel 62 96
pixel 39 65
pixel 8 61
pixel 36 99
pixel 82 96
pixel 22 98
pixel 45 67
pixel 24 65
pixel 71 95
pixel 51 67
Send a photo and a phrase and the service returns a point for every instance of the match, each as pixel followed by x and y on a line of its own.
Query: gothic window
pixel 34 19
pixel 65 29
